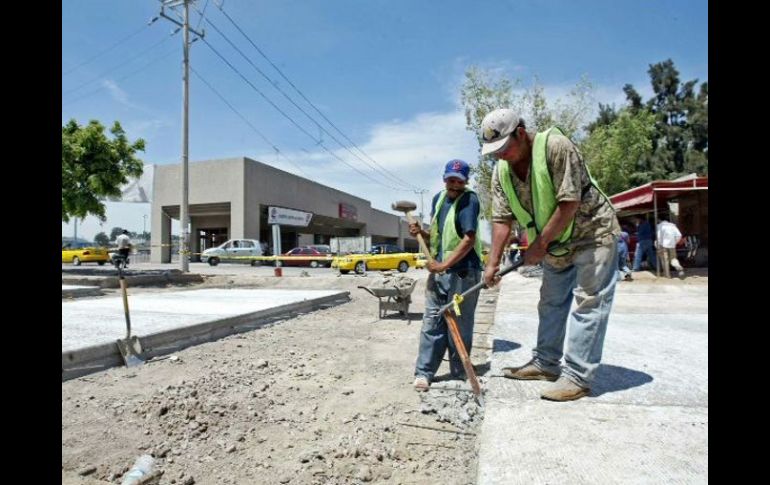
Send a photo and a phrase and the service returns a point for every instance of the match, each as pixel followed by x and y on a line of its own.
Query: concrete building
pixel 229 198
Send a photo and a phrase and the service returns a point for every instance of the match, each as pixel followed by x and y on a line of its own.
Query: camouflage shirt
pixel 595 221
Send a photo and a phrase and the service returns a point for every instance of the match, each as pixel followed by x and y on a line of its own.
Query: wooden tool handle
pixel 423 246
pixel 469 372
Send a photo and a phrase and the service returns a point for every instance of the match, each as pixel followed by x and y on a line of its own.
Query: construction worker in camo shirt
pixel 541 181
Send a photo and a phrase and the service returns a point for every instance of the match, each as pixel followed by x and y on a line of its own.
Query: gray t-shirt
pixel 596 223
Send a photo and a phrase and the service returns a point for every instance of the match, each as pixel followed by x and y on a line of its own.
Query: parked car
pixel 78 253
pixel 385 249
pixel 361 262
pixel 321 248
pixel 422 261
pixel 234 251
pixel 302 256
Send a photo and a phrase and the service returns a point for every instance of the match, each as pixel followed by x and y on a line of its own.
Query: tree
pixel 95 167
pixel 481 93
pixel 101 239
pixel 616 152
pixel 484 91
pixel 679 139
pixel 680 144
pixel 115 232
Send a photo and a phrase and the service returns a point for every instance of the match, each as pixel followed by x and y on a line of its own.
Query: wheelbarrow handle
pixel 482 284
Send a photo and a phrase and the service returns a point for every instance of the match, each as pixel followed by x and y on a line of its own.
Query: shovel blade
pixel 131 351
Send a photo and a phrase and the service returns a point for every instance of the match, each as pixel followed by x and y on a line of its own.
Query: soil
pixel 325 397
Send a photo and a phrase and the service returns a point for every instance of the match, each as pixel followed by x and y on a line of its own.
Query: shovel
pixel 130 347
pixel 455 303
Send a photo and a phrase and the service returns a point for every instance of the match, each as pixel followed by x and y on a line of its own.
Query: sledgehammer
pixel 407 207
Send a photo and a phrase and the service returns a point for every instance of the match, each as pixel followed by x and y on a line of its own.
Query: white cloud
pixel 146 129
pixel 117 93
pixel 414 150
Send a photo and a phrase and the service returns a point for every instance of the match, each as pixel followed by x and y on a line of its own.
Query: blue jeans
pixel 434 335
pixel 644 248
pixel 591 279
pixel 623 260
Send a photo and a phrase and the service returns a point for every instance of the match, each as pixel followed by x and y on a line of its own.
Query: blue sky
pixel 386 72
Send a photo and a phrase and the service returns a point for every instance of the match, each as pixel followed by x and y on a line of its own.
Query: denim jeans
pixel 623 261
pixel 434 335
pixel 644 248
pixel 591 279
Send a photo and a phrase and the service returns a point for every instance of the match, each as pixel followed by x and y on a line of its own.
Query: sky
pixel 386 73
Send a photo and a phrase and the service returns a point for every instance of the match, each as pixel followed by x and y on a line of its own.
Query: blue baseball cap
pixel 457 168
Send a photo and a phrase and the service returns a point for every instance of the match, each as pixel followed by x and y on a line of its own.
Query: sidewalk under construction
pixel 646 419
pixel 166 322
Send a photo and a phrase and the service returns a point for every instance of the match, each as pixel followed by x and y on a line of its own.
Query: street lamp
pixel 144 226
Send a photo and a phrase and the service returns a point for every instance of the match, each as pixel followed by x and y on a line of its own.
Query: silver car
pixel 234 251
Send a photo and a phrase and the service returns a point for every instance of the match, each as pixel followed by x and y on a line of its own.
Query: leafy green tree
pixel 95 167
pixel 680 143
pixel 101 239
pixel 616 152
pixel 115 232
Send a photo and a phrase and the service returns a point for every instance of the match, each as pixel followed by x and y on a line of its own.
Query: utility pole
pixel 184 217
pixel 422 205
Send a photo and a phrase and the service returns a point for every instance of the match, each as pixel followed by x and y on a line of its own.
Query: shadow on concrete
pixel 398 316
pixel 499 345
pixel 611 378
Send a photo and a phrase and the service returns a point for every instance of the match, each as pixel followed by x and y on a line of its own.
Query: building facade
pixel 229 198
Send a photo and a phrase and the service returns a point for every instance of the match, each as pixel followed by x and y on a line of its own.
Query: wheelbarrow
pixel 393 298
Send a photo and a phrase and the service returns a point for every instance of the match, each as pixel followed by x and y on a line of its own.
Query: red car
pixel 304 257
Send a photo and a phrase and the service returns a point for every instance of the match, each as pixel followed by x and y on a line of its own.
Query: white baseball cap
pixel 496 128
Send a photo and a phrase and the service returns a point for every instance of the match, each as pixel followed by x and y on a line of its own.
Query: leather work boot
pixel 565 390
pixel 528 372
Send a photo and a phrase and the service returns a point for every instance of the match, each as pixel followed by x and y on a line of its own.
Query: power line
pixel 386 171
pixel 261 135
pixel 317 142
pixel 121 41
pixel 285 95
pixel 197 27
pixel 103 74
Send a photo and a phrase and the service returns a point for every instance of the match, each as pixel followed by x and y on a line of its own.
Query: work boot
pixel 565 390
pixel 421 384
pixel 529 372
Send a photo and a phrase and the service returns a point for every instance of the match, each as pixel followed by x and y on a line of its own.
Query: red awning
pixel 641 198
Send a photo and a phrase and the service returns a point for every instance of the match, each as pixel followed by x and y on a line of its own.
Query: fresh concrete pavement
pixel 646 420
pixel 88 322
pixel 169 321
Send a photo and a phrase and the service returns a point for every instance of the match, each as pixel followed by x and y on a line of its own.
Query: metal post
pixel 655 216
pixel 183 214
pixel 277 243
pixel 75 238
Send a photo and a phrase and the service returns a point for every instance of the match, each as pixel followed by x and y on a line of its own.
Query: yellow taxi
pixel 382 257
pixel 81 253
pixel 422 261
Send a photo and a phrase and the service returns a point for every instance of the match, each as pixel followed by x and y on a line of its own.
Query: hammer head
pixel 403 206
